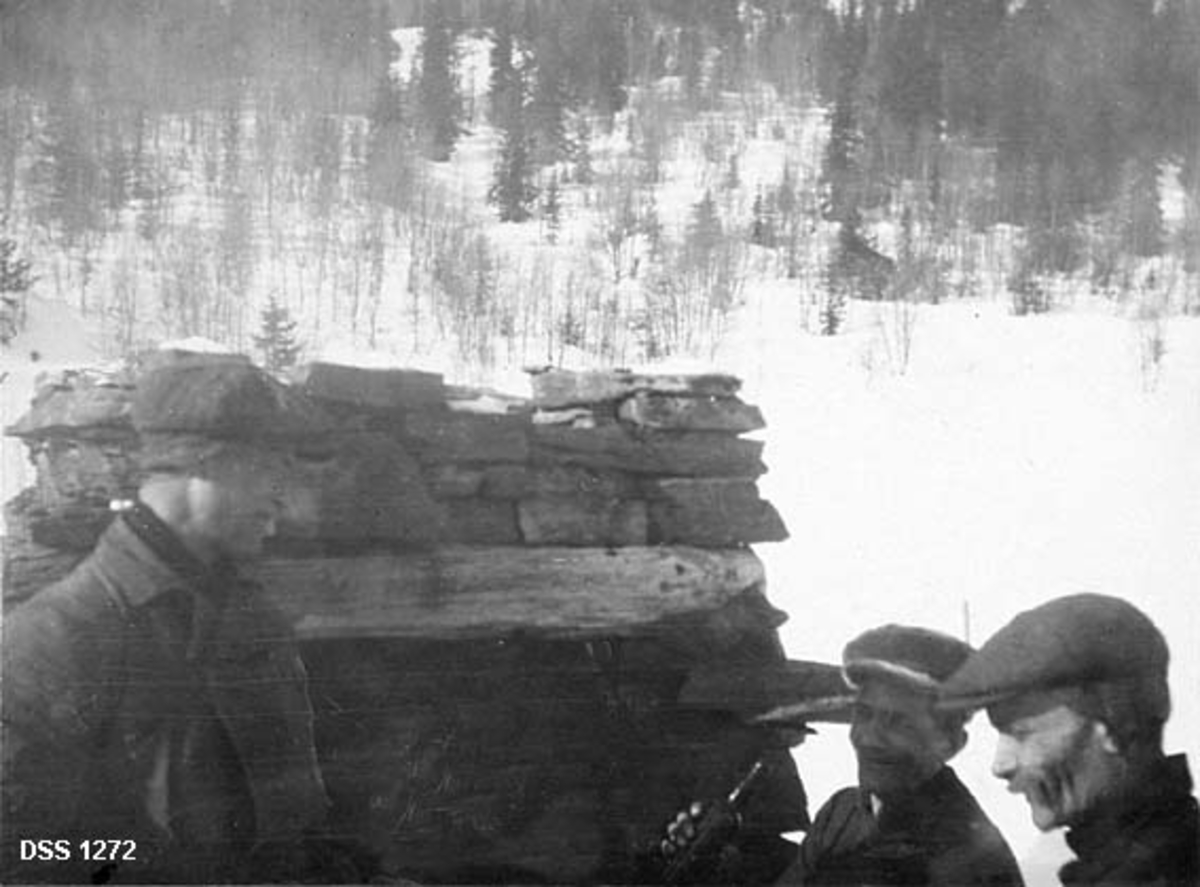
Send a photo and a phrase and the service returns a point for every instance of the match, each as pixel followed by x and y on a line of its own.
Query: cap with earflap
pixel 224 399
pixel 915 657
pixel 1072 641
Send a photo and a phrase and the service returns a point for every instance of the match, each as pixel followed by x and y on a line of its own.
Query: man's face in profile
pixel 1060 760
pixel 237 503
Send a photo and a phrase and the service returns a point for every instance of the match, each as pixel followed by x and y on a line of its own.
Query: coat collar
pixel 913 809
pixel 148 559
pixel 1104 840
pixel 143 561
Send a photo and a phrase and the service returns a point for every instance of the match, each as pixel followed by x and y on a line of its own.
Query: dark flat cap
pixel 918 657
pixel 223 399
pixel 1070 641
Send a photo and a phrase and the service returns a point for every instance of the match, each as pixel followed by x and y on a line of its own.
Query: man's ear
pixel 952 739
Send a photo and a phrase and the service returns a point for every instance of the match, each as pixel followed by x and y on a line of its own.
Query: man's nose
pixel 1004 764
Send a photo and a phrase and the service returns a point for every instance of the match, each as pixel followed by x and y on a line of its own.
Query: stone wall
pixel 534 628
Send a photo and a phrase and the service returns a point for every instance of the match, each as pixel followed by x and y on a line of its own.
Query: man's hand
pixel 681 830
pixel 698 847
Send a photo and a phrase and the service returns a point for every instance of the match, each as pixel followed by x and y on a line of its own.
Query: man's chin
pixel 884 783
pixel 1044 818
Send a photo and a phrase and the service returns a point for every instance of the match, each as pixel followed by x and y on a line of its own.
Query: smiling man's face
pixel 897 738
pixel 1061 761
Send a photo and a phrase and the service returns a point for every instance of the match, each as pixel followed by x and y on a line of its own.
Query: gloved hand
pixel 681 830
pixel 698 845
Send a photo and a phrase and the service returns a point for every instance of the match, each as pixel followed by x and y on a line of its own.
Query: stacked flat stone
pixel 530 624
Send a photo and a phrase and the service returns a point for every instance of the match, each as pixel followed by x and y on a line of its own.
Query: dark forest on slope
pixel 289 126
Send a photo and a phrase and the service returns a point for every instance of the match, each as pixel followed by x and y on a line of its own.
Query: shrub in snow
pixel 15 281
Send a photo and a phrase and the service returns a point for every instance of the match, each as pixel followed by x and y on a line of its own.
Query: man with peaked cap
pixel 1077 689
pixel 156 717
pixel 909 820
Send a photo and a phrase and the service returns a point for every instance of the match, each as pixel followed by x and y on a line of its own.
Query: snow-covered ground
pixel 1013 460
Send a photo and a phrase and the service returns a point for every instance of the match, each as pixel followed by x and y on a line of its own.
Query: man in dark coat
pixel 1077 689
pixel 909 820
pixel 156 720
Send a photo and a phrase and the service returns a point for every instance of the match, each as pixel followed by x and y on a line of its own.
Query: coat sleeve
pixel 834 829
pixel 52 695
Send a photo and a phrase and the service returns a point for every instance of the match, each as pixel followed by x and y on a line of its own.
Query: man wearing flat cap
pixel 157 725
pixel 909 820
pixel 1077 689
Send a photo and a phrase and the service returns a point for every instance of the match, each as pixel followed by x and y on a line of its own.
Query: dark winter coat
pixel 1153 839
pixel 939 835
pixel 148 699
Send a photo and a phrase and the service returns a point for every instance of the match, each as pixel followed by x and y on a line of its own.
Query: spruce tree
pixel 513 191
pixel 832 312
pixel 507 87
pixel 440 104
pixel 584 174
pixel 651 227
pixel 277 342
pixel 549 105
pixel 787 205
pixel 704 231
pixel 1143 233
pixel 762 224
pixel 552 209
pixel 733 174
pixel 15 281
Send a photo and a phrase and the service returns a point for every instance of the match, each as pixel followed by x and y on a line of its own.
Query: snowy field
pixel 1013 460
